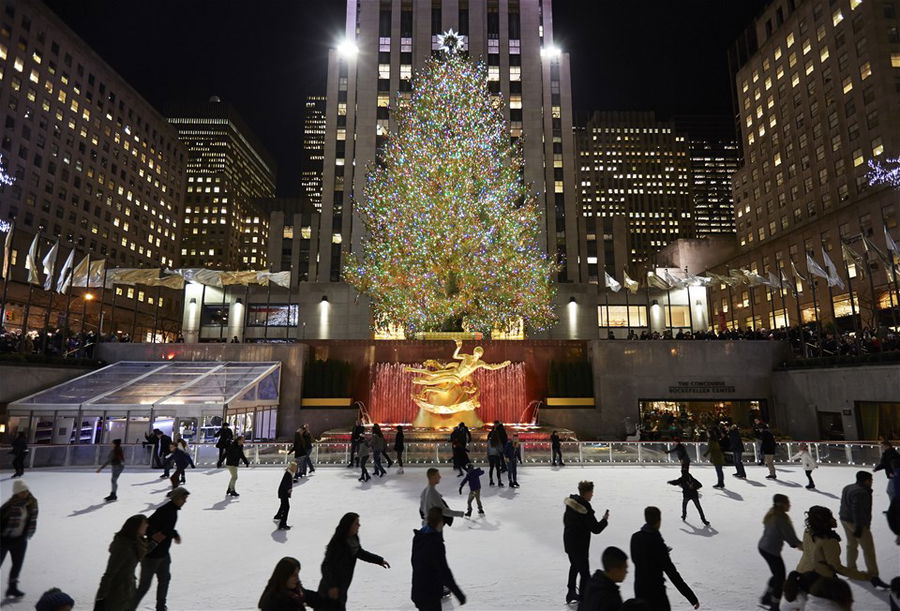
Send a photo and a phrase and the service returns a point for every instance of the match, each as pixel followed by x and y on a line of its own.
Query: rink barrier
pixel 437 453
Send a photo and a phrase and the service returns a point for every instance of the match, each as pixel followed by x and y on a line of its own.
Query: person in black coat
pixel 355 436
pixel 284 495
pixel 158 561
pixel 341 555
pixel 602 593
pixel 182 460
pixel 299 452
pixel 161 450
pixel 767 447
pixel 736 446
pixel 578 525
pixel 681 454
pixel 233 457
pixel 430 572
pixel 556 449
pixel 888 455
pixel 651 561
pixel 284 592
pixel 19 452
pixel 224 435
pixel 399 446
pixel 689 491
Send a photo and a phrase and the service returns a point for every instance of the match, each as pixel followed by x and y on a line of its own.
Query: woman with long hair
pixel 284 592
pixel 341 555
pixel 822 546
pixel 129 546
pixel 777 530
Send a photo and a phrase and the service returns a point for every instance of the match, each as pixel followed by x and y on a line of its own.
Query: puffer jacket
pixel 14 511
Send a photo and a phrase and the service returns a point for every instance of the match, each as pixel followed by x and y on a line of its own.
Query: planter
pixel 570 402
pixel 327 402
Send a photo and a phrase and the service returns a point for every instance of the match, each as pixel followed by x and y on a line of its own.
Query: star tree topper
pixel 451 41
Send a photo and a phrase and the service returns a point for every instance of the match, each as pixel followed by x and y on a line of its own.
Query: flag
pixel 673 281
pixel 95 276
pixel 611 283
pixel 170 282
pixel 49 264
pixel 7 250
pixel 282 279
pixel 814 268
pixel 773 281
pixel 798 279
pixel 853 258
pixel 657 282
pixel 891 244
pixel 738 276
pixel 833 278
pixel 754 279
pixel 208 277
pixel 699 280
pixel 79 275
pixel 65 274
pixel 31 262
pixel 631 285
pixel 870 245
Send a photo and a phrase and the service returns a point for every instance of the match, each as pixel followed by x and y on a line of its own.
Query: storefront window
pixel 680 316
pixel 278 315
pixel 690 420
pixel 622 316
pixel 781 319
pixel 842 305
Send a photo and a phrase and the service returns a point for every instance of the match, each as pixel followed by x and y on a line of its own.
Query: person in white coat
pixel 807 462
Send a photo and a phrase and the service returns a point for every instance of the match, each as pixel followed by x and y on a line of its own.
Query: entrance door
pixel 831 426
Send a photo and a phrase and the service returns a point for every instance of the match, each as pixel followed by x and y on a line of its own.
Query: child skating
pixel 473 478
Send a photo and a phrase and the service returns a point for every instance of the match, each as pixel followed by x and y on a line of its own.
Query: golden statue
pixel 448 393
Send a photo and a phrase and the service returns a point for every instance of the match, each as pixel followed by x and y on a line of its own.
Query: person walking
pixel 736 445
pixel 161 451
pixel 284 496
pixel 602 592
pixel 341 554
pixel 285 592
pixel 513 454
pixel 378 447
pixel 19 452
pixel 363 450
pixel 18 523
pixel 767 447
pixel 355 436
pixel 300 450
pixel 689 493
pixel 777 530
pixel 181 460
pixel 430 572
pixel 822 546
pixel 716 457
pixel 376 430
pixel 888 455
pixel 399 447
pixel 430 497
pixel 856 516
pixel 157 562
pixel 473 478
pixel 309 443
pixel 652 564
pixel 494 451
pixel 116 462
pixel 681 454
pixel 225 436
pixel 807 463
pixel 579 524
pixel 234 454
pixel 128 548
pixel 556 450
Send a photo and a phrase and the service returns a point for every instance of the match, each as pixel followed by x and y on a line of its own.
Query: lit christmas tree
pixel 453 231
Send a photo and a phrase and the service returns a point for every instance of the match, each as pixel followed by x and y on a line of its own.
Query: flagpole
pixel 134 314
pixel 87 284
pixel 687 287
pixel 102 297
pixel 246 312
pixel 8 269
pixel 156 313
pixel 49 304
pixel 799 314
pixel 112 322
pixel 287 333
pixel 731 305
pixel 222 312
pixel 649 319
pixel 606 295
pixel 627 309
pixel 752 309
pixel 669 305
pixel 268 306
pixel 65 339
pixel 772 302
pixel 812 286
pixel 783 303
pixel 852 302
pixel 27 312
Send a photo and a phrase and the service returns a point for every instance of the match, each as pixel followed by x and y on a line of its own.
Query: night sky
pixel 265 56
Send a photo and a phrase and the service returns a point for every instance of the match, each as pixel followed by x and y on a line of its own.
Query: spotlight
pixel 324 298
pixel 347 48
pixel 551 52
pixel 572 300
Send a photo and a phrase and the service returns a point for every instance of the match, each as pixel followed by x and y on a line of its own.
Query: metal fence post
pixel 580 453
pixel 816 448
pixel 256 454
pixel 755 455
pixel 639 447
pixel 610 453
pixel 848 453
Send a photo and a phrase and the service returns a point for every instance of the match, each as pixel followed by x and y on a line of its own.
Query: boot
pixel 111 497
pixel 499 483
pixel 876 582
pixel 571 597
pixel 469 512
pixel 12 591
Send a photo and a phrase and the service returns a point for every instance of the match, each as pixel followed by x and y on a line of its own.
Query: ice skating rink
pixel 512 558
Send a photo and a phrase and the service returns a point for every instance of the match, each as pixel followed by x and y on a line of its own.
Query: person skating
pixel 652 564
pixel 767 447
pixel 225 436
pixel 458 445
pixel 116 462
pixel 736 445
pixel 579 523
pixel 399 447
pixel 161 450
pixel 376 430
pixel 473 478
pixel 494 452
pixel 182 460
pixel 285 592
pixel 19 452
pixel 556 450
pixel 602 592
pixel 512 452
pixel 18 523
pixel 777 530
pixel 182 443
pixel 689 493
pixel 233 457
pixel 378 447
pixel 822 547
pixel 888 455
pixel 362 449
pixel 856 517
pixel 431 574
pixel 309 443
pixel 129 546
pixel 430 497
pixel 681 454
pixel 284 496
pixel 502 437
pixel 355 436
pixel 157 562
pixel 716 457
pixel 54 599
pixel 341 554
pixel 807 463
pixel 300 450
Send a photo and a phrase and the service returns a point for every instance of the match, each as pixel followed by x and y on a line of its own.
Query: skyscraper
pixel 227 167
pixel 313 150
pixel 386 42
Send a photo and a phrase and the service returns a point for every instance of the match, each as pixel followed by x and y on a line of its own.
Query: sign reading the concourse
pixel 701 387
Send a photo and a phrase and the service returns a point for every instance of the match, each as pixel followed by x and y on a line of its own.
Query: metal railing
pixel 436 453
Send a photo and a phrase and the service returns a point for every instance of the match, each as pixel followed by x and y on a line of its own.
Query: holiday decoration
pixel 453 233
pixel 887 173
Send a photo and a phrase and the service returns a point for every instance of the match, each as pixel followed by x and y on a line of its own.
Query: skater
pixel 494 452
pixel 310 445
pixel 18 522
pixel 284 495
pixel 362 449
pixel 716 456
pixel 161 528
pixel 602 592
pixel 284 592
pixel 233 457
pixel 578 525
pixel 355 437
pixel 378 447
pixel 856 516
pixel 473 478
pixel 430 497
pixel 513 454
pixel 757 427
pixel 300 451
pixel 116 461
pixel 808 463
pixel 225 436
pixel 184 447
pixel 376 430
pixel 430 573
pixel 767 446
pixel 681 454
pixel 128 548
pixel 822 546
pixel 341 555
pixel 556 450
pixel 181 459
pixel 888 455
pixel 503 438
pixel 458 443
pixel 161 450
pixel 399 446
pixel 689 493
pixel 777 530
pixel 651 561
pixel 19 452
pixel 54 599
pixel 736 445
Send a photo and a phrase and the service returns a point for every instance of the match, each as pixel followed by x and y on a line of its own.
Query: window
pixel 622 316
pixel 273 315
pixel 837 17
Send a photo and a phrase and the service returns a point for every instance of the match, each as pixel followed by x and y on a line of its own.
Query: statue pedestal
pixel 430 420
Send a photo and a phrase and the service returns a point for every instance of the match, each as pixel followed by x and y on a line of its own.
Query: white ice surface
pixel 510 559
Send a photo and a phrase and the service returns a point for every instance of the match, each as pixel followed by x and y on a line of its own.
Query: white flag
pixel 833 278
pixel 282 279
pixel 631 285
pixel 80 273
pixel 7 249
pixel 814 268
pixel 31 262
pixel 65 274
pixel 49 264
pixel 675 283
pixel 773 281
pixel 891 244
pixel 611 283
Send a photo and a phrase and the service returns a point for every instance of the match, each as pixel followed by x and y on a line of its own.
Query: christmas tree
pixel 453 232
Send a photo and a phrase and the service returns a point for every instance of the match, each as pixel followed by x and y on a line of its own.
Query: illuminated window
pixel 384 100
pixel 865 71
pixel 895 60
pixel 515 100
pixel 847 85
pixel 790 40
pixel 823 55
pixel 515 73
pixel 857 158
pixel 877 147
pixel 837 17
pixel 406 71
pixel 493 73
pixel 384 71
pixel 336 238
pixel 854 4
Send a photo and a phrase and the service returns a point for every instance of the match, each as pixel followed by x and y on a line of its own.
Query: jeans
pixel 19 464
pixel 511 468
pixel 16 547
pixel 363 472
pixel 776 582
pixel 221 458
pixel 301 466
pixel 868 547
pixel 738 465
pixel 307 465
pixel 720 474
pixel 495 464
pixel 379 470
pixel 354 448
pixel 809 477
pixel 167 466
pixel 578 566
pixel 769 460
pixel 160 568
pixel 283 510
pixel 116 472
pixel 400 458
pixel 476 495
pixel 684 504
pixel 556 455
pixel 177 476
pixel 233 480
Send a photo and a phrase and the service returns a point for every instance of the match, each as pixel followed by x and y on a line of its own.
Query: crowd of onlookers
pixel 56 342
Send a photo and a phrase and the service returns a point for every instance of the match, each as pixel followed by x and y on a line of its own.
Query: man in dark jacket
pixel 161 450
pixel 430 572
pixel 888 454
pixel 19 452
pixel 856 516
pixel 299 453
pixel 158 561
pixel 556 449
pixel 602 592
pixel 225 435
pixel 578 525
pixel 233 457
pixel 355 436
pixel 767 447
pixel 284 495
pixel 651 561
pixel 308 443
pixel 18 522
pixel 736 445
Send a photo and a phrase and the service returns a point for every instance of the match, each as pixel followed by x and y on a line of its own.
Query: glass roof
pixel 130 384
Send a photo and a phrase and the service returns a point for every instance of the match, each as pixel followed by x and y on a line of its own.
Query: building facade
pixel 227 167
pixel 387 42
pixel 296 222
pixel 818 99
pixel 313 149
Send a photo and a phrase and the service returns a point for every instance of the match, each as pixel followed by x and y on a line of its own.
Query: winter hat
pixel 54 599
pixel 19 486
pixel 292 466
pixel 179 492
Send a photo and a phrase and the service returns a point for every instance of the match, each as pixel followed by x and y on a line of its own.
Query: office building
pixel 313 150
